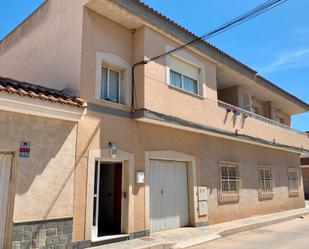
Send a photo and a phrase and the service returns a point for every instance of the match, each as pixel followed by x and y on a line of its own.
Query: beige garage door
pixel 168 195
pixel 5 176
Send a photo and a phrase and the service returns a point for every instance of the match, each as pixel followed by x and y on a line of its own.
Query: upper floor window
pixel 246 101
pixel 112 80
pixel 183 82
pixel 110 85
pixel 184 75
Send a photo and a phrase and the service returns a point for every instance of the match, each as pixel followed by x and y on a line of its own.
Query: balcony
pixel 246 114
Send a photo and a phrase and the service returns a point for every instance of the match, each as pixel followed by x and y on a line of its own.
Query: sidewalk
pixel 190 236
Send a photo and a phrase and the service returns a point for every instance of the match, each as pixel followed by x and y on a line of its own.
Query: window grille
pixel 293 182
pixel 266 183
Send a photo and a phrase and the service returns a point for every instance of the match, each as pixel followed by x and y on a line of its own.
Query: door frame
pixel 95 229
pixel 127 212
pixel 11 200
pixel 192 181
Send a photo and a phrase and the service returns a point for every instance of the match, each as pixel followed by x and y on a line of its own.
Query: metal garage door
pixel 168 195
pixel 5 176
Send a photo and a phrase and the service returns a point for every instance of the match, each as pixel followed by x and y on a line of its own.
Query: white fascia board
pixel 38 107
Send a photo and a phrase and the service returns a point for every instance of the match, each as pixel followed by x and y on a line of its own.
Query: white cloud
pixel 288 60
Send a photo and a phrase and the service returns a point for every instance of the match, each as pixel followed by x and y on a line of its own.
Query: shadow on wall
pixel 52 159
pixel 52 145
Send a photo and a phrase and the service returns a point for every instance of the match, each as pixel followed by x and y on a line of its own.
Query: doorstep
pixel 110 239
pixel 191 236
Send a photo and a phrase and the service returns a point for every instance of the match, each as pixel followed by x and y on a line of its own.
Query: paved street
pixel 287 235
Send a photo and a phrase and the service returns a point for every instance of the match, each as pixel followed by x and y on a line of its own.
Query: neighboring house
pixel 38 132
pixel 304 162
pixel 199 138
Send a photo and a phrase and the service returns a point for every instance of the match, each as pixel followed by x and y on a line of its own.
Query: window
pixel 183 75
pixel 293 181
pixel 246 101
pixel 265 182
pixel 110 85
pixel 229 178
pixel 255 110
pixel 183 82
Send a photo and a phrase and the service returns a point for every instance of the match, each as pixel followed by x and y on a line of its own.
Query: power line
pixel 260 9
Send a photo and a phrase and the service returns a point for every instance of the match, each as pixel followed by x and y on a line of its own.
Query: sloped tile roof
pixel 39 92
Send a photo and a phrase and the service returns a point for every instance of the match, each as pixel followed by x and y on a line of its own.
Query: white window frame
pixel 182 82
pixel 293 191
pixel 250 100
pixel 266 194
pixel 114 62
pixel 191 60
pixel 107 86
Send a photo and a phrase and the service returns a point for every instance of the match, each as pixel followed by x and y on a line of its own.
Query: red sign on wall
pixel 24 149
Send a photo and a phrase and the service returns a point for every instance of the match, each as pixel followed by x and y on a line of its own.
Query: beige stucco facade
pixel 90 39
pixel 41 185
pixel 42 62
pixel 44 184
pixel 137 138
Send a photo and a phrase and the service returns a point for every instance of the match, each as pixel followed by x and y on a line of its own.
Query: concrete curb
pixel 238 229
pixel 248 227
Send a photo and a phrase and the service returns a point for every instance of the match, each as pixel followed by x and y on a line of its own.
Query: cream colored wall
pixel 44 185
pixel 249 157
pixel 159 97
pixel 155 71
pixel 101 35
pixel 135 137
pixel 46 48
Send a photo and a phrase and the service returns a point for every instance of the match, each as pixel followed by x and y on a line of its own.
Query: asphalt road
pixel 292 234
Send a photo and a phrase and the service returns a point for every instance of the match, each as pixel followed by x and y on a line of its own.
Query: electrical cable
pixel 260 9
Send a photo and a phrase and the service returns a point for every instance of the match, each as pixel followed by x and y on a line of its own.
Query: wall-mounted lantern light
pixel 113 146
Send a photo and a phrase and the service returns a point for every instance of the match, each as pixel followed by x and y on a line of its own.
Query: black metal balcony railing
pixel 240 111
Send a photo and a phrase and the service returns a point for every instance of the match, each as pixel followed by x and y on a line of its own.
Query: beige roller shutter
pixel 184 68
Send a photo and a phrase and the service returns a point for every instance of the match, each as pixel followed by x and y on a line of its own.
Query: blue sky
pixel 276 44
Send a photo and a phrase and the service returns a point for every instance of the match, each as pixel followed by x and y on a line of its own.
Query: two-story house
pixel 193 138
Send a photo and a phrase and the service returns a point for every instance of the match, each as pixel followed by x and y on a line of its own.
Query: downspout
pixel 133 92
